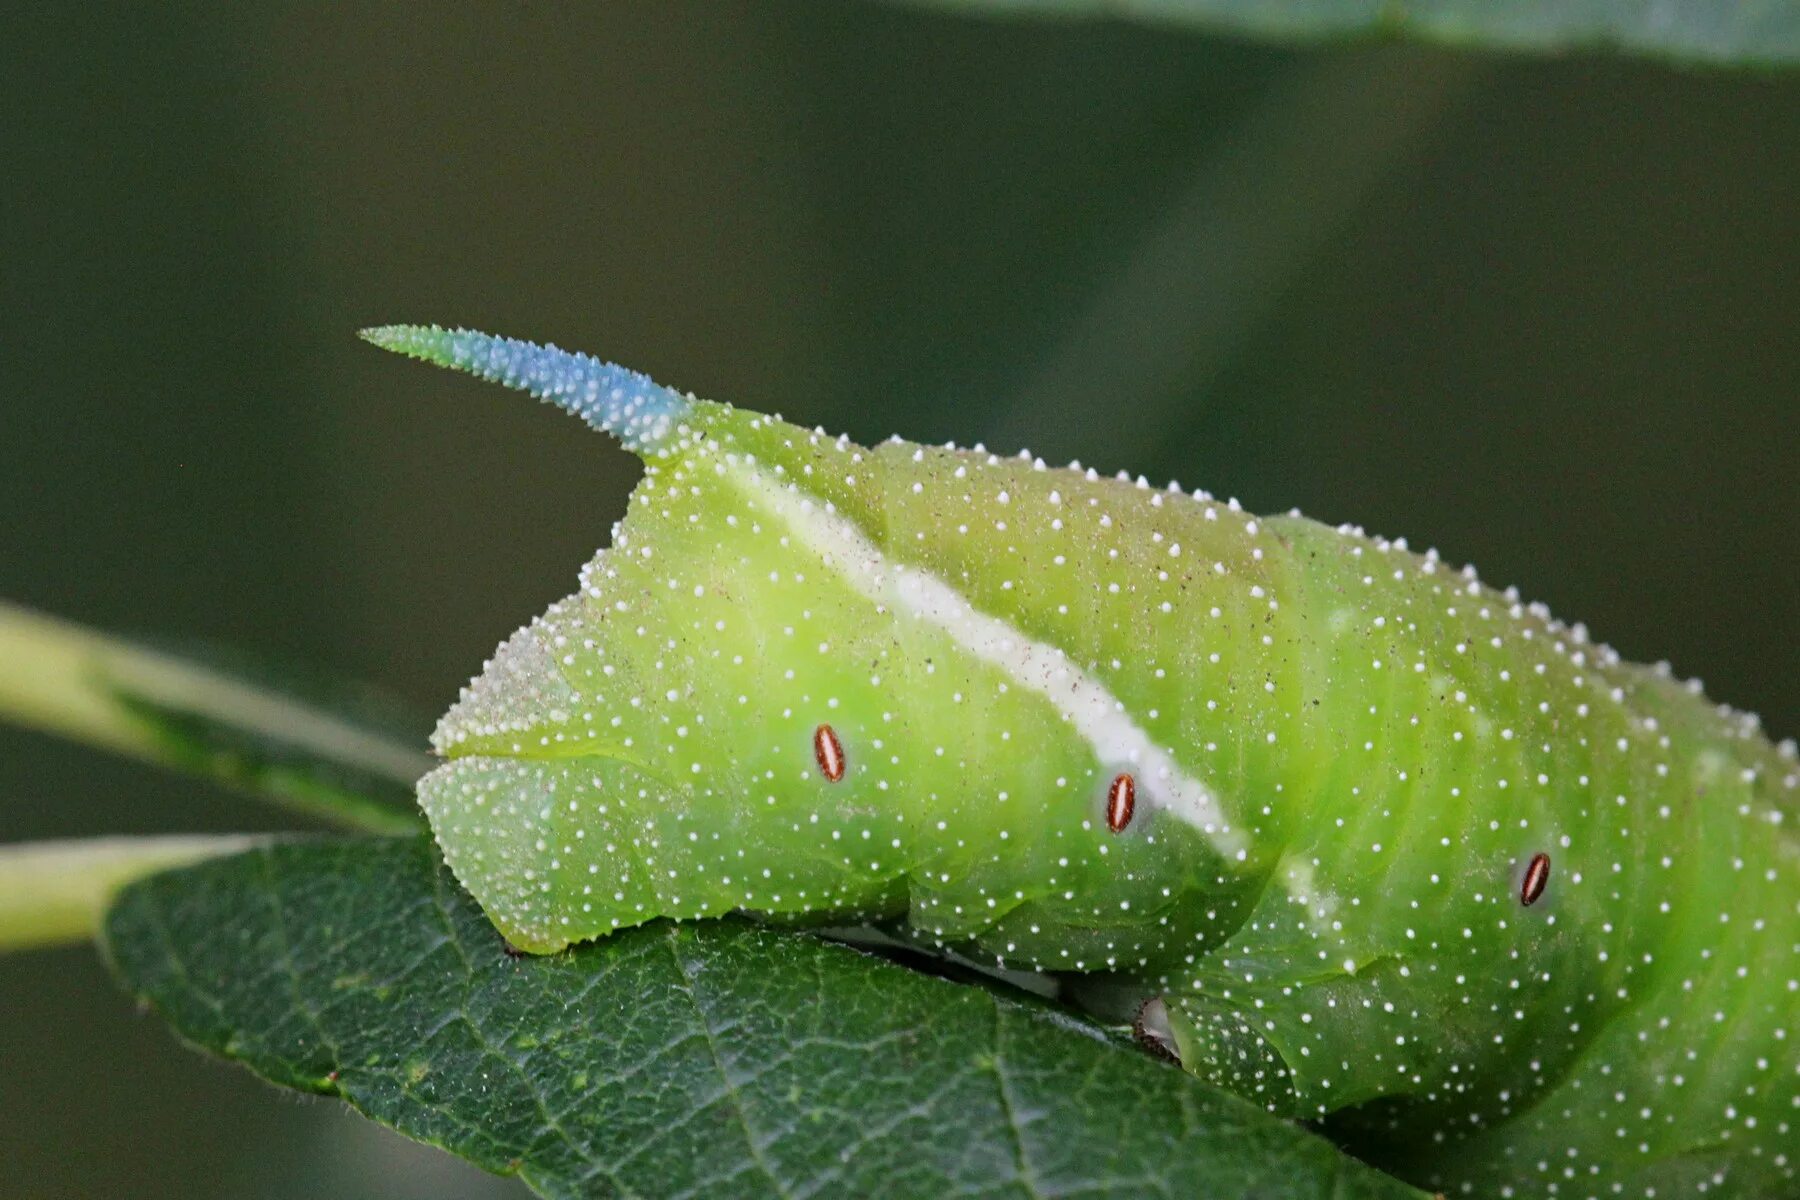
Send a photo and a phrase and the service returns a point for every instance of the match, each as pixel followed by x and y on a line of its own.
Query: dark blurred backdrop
pixel 1539 314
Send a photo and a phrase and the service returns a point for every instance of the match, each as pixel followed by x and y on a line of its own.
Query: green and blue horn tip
pixel 627 404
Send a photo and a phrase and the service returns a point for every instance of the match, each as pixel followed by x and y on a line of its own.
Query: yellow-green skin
pixel 1334 919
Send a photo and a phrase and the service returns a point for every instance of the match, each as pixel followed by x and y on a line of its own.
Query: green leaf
pixel 321 748
pixel 1724 32
pixel 707 1059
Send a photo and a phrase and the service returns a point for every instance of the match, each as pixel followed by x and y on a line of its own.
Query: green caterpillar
pixel 1347 831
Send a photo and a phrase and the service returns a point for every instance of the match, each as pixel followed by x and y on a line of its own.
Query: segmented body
pixel 1343 758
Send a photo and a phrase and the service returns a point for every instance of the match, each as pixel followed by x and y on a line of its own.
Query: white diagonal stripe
pixel 1084 701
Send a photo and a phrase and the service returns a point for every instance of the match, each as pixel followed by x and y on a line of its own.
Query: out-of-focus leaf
pixel 676 1060
pixel 1726 32
pixel 328 750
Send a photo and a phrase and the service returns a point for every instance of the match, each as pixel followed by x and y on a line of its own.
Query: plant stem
pixel 54 893
pixel 109 692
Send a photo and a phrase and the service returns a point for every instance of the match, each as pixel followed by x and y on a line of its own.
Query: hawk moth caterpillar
pixel 816 681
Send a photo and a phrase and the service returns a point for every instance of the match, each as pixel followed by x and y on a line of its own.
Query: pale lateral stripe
pixel 1095 713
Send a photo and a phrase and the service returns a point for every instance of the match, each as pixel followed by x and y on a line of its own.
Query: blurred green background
pixel 1537 313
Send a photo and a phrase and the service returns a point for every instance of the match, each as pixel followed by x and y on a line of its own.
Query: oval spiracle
pixel 829 752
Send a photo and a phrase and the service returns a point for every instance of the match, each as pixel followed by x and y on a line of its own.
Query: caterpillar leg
pixel 1226 1047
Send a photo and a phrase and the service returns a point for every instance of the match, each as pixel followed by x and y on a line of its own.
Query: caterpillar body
pixel 1395 851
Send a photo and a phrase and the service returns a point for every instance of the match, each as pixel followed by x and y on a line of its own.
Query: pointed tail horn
pixel 631 406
